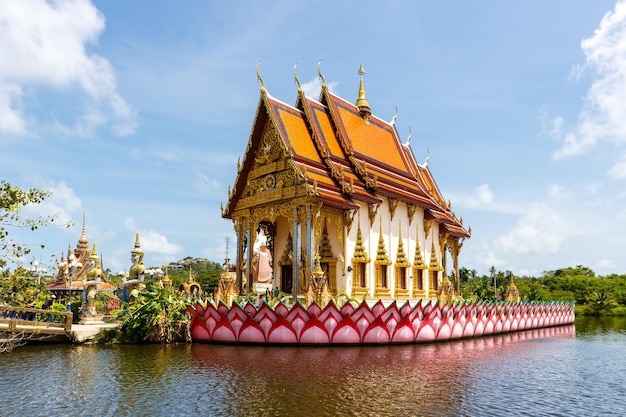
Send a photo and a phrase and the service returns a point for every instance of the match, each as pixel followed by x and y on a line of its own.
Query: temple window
pixel 383 276
pixel 361 275
pixel 402 277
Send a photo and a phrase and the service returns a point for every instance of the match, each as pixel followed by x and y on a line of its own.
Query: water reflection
pixel 428 379
pixel 557 371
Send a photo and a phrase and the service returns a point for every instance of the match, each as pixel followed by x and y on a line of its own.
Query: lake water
pixel 576 370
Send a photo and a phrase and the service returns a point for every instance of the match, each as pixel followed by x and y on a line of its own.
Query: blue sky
pixel 136 113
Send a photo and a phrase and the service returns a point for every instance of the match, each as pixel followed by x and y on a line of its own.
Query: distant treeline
pixel 594 295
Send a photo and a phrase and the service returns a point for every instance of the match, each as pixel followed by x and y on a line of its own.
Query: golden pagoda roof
pixel 342 157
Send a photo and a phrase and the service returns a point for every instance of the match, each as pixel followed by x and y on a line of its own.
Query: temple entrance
pixel 286 278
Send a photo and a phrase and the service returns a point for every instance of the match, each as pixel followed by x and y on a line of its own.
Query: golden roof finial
pixel 137 248
pixel 83 243
pixel 94 254
pixel 361 103
pixel 319 73
pixel 258 76
pixel 408 139
pixel 295 77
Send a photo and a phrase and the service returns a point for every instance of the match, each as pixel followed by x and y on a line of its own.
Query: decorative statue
pixel 137 272
pixel 262 265
pixel 90 285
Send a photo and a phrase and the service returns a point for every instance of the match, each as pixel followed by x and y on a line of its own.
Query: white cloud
pixel 604 264
pixel 63 204
pixel 541 230
pixel 602 117
pixel 550 126
pixel 618 170
pixel 153 242
pixel 555 190
pixel 44 45
pixel 203 183
pixel 481 197
pixel 313 88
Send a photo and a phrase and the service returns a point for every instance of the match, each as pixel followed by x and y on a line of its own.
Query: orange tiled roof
pixel 346 158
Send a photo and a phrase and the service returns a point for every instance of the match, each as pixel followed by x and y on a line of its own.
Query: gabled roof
pixel 344 154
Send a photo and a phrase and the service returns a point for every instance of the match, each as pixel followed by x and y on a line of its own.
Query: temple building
pixel 328 181
pixel 74 269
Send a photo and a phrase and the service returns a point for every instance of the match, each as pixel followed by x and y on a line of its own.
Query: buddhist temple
pixel 75 268
pixel 326 180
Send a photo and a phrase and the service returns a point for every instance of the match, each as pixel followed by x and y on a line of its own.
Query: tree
pixel 12 201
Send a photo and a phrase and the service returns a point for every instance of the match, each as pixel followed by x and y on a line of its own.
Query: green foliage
pixel 204 272
pixel 157 316
pixel 594 295
pixel 12 201
pixel 19 287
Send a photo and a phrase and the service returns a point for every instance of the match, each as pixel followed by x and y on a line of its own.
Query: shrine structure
pixel 331 207
pixel 75 271
pixel 328 177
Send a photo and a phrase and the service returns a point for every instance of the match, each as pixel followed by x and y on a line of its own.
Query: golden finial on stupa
pixel 361 103
pixel 83 243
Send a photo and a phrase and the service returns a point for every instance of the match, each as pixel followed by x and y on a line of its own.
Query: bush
pixel 155 317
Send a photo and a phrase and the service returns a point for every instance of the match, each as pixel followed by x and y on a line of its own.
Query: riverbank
pixel 86 333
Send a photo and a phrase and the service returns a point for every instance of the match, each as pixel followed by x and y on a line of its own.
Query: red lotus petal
pixel 330 310
pixel 251 332
pixel 314 309
pixel 265 311
pixel 378 308
pixel 457 328
pixel 376 333
pixel 281 332
pixel 444 331
pixel 222 308
pixel 363 310
pixel 224 332
pixel 347 309
pixel 199 331
pixel 403 332
pixel 250 309
pixel 314 332
pixel 426 331
pixel 281 309
pixel 346 332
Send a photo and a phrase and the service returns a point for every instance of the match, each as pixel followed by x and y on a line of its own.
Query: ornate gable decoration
pixel 381 254
pixel 326 251
pixel 401 260
pixel 360 255
pixel 270 149
pixel 434 262
pixel 269 171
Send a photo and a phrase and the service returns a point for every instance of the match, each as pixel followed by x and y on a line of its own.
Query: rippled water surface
pixel 565 371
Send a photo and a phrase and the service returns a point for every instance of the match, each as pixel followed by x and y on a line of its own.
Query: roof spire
pixel 258 76
pixel 319 73
pixel 408 139
pixel 295 77
pixel 83 243
pixel 361 103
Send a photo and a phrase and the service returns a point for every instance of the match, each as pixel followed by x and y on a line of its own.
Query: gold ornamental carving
pixel 372 209
pixel 411 208
pixel 393 205
pixel 427 225
pixel 270 148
